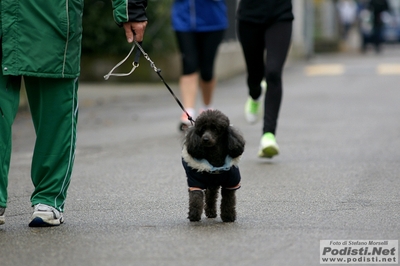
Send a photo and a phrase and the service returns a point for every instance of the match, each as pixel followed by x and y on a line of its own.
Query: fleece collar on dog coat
pixel 202 165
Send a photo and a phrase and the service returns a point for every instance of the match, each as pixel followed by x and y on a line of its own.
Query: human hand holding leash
pixel 134 28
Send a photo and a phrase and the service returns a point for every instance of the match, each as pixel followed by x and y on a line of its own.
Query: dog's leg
pixel 196 205
pixel 211 202
pixel 228 205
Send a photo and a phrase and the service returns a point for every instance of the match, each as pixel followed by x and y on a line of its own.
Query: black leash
pixel 135 64
pixel 158 71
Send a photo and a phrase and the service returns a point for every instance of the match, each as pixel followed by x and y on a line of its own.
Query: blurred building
pixel 315 29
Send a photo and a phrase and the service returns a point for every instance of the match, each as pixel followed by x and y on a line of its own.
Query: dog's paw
pixel 228 218
pixel 210 213
pixel 228 215
pixel 194 218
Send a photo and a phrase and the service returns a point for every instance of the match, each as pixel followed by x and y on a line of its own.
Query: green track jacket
pixel 42 38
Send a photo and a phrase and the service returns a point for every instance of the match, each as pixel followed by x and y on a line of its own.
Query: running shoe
pixel 205 109
pixel 263 87
pixel 185 123
pixel 2 217
pixel 44 215
pixel 268 146
pixel 252 111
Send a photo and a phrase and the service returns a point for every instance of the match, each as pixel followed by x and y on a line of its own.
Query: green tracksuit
pixel 54 107
pixel 41 42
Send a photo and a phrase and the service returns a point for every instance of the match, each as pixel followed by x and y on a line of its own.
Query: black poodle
pixel 210 156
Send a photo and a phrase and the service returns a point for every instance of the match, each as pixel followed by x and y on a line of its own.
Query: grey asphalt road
pixel 337 177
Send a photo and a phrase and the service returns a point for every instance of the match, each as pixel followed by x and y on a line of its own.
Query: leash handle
pixel 135 64
pixel 137 56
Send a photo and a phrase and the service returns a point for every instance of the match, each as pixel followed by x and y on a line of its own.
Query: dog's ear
pixel 193 144
pixel 236 142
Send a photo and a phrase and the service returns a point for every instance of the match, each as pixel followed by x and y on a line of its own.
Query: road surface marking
pixel 324 70
pixel 388 69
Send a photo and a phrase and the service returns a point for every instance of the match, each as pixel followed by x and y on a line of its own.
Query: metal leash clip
pixel 145 55
pixel 153 66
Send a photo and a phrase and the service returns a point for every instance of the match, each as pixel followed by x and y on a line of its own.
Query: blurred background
pixel 317 29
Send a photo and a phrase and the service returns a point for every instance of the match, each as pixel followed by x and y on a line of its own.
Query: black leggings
pixel 198 51
pixel 255 40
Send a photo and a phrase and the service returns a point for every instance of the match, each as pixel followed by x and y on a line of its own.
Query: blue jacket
pixel 199 15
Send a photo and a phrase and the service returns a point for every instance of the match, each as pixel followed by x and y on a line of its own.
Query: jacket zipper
pixel 193 14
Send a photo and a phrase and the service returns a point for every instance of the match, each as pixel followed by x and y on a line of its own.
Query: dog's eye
pixel 201 131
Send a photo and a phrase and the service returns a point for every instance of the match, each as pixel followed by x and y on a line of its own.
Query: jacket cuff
pixel 137 10
pixel 129 11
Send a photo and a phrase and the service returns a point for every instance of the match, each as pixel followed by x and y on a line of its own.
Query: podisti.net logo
pixel 359 252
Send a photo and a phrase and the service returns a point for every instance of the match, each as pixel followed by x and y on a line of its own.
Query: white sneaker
pixel 205 109
pixel 185 123
pixel 44 215
pixel 2 216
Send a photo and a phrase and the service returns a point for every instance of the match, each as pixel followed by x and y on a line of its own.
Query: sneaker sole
pixel 268 152
pixel 40 222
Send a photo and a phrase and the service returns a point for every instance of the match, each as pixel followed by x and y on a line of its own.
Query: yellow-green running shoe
pixel 252 110
pixel 268 146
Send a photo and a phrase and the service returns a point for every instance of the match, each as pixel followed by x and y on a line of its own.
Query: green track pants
pixel 54 108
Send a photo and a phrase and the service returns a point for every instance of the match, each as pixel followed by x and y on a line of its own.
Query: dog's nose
pixel 206 139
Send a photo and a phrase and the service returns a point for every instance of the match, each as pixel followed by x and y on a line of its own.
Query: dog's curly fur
pixel 213 138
